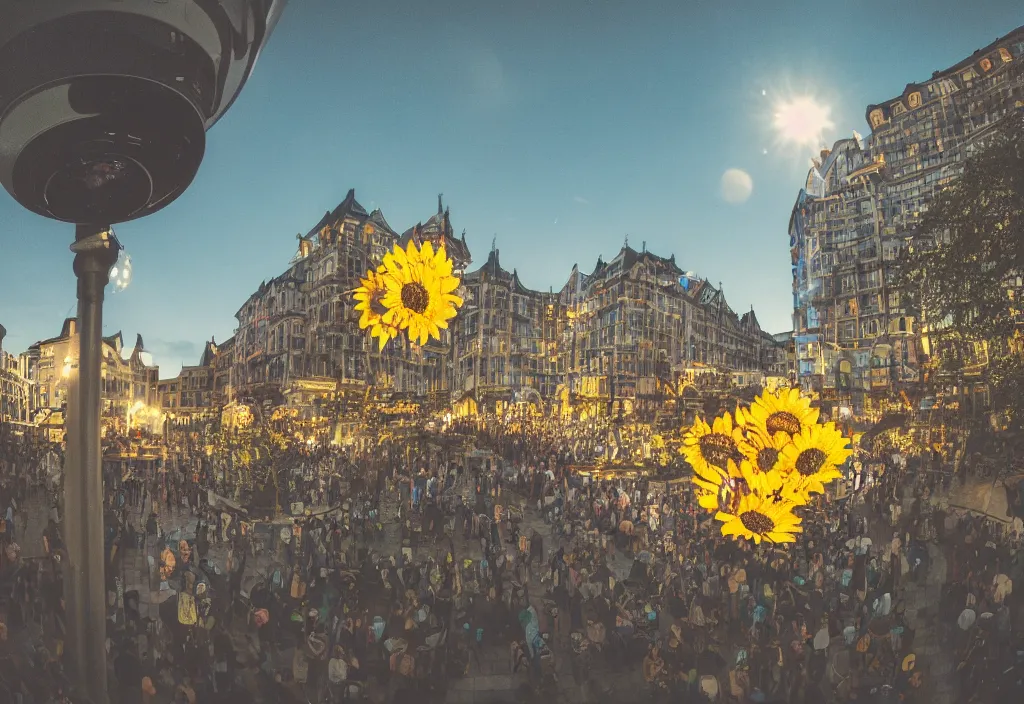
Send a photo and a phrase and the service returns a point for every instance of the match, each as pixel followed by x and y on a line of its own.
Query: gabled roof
pixel 438 231
pixel 628 257
pixel 116 341
pixel 138 351
pixel 749 320
pixel 491 270
pixel 377 218
pixel 349 206
pixel 209 353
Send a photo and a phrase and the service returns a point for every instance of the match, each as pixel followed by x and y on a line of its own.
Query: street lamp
pixel 104 109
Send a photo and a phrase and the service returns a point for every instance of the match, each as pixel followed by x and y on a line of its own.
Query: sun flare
pixel 802 121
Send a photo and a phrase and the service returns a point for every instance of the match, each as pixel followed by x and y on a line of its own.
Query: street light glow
pixel 802 121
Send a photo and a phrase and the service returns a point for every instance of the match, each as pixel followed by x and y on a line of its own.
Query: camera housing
pixel 105 104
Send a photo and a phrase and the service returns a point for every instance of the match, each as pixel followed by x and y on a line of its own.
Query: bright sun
pixel 802 121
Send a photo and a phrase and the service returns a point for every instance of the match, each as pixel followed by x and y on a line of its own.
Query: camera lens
pixel 122 147
pixel 109 188
pixel 104 108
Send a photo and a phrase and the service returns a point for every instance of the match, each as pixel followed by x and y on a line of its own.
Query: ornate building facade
pixel 15 389
pixel 620 333
pixel 861 202
pixel 298 337
pixel 51 363
pixel 509 339
pixel 198 392
pixel 638 321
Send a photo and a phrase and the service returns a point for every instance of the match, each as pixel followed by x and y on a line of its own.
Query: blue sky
pixel 558 126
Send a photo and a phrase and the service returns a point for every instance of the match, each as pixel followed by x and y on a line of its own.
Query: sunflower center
pixel 767 458
pixel 757 522
pixel 783 421
pixel 810 461
pixel 717 449
pixel 415 297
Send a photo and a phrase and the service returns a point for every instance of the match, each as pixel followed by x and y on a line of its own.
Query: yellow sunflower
pixel 759 518
pixel 413 257
pixel 370 304
pixel 761 482
pixel 785 411
pixel 813 457
pixel 713 450
pixel 707 498
pixel 419 295
pixel 760 448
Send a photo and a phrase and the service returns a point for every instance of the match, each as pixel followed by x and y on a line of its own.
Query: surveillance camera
pixel 105 104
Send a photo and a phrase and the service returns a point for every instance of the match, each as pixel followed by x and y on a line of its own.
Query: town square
pixel 595 426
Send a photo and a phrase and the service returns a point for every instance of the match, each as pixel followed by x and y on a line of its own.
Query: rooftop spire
pixel 440 203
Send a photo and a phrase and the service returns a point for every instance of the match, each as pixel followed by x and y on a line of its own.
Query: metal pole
pixel 95 252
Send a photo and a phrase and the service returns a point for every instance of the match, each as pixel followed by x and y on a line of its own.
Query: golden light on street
pixel 802 121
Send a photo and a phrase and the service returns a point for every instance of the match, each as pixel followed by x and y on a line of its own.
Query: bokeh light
pixel 121 273
pixel 736 186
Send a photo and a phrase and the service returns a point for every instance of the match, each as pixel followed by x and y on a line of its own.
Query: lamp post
pixel 96 249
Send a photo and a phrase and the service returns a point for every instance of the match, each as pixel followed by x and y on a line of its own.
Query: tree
pixel 1007 378
pixel 960 268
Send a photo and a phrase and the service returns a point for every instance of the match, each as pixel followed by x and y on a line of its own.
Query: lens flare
pixel 802 121
pixel 120 275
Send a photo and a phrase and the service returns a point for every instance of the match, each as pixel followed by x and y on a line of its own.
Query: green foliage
pixel 970 242
pixel 960 268
pixel 1007 378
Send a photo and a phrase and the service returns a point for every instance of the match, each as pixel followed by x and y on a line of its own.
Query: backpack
pixel 337 671
pixel 406 665
pixel 187 615
pixel 317 645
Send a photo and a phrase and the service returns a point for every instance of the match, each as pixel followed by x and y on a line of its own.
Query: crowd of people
pixel 403 567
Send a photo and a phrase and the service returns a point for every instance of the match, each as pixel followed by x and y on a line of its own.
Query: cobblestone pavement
pixel 922 612
pixel 921 602
pixel 489 679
